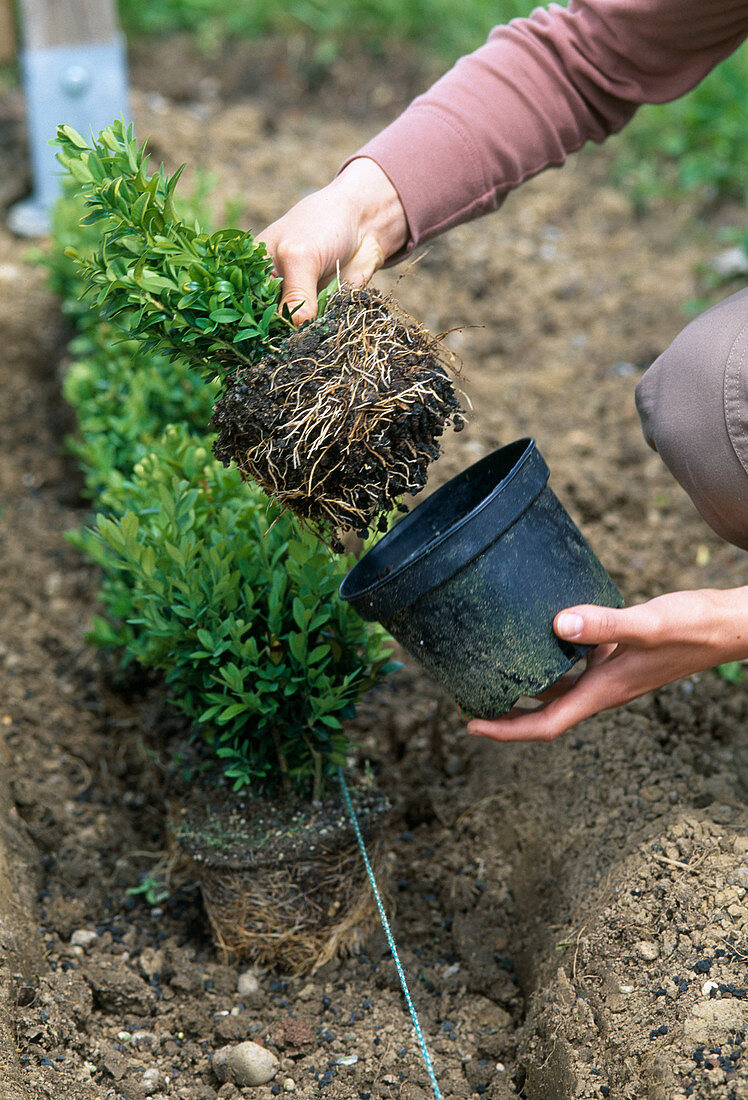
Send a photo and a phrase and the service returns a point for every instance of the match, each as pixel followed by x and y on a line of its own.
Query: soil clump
pixel 283 883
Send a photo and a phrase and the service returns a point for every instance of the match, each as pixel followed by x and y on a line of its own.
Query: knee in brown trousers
pixel 693 405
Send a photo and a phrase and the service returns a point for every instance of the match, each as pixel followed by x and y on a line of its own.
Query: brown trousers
pixel 693 405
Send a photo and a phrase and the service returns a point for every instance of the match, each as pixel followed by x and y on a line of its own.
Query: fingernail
pixel 569 624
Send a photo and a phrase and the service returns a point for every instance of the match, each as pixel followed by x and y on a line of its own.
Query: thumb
pixel 589 624
pixel 301 304
pixel 300 288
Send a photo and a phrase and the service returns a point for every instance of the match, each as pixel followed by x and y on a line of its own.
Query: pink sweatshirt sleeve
pixel 538 90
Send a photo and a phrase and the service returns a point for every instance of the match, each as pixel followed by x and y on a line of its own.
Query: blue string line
pixel 390 940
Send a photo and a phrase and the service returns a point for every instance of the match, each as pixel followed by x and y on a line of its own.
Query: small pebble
pixel 245 1065
pixel 624 369
pixel 150 1082
pixel 143 1040
pixel 347 1060
pixel 731 262
pixel 647 950
pixel 289 1085
pixel 708 988
pixel 248 984
pixel 228 1091
pixel 83 937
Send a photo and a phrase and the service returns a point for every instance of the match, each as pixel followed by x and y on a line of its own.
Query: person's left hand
pixel 638 649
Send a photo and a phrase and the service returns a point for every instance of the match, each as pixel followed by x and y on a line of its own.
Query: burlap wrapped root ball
pixel 343 419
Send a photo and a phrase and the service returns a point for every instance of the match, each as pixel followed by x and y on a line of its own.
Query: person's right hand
pixel 354 224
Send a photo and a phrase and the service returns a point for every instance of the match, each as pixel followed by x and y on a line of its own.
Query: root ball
pixel 345 416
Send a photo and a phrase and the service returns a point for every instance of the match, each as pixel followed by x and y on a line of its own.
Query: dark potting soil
pixel 344 418
pixel 245 830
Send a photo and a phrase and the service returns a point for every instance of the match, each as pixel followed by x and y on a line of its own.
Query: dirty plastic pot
pixel 470 581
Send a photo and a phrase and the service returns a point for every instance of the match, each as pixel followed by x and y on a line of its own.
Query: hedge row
pixel 202 578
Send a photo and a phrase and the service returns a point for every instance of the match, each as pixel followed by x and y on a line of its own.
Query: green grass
pixel 696 145
pixel 444 26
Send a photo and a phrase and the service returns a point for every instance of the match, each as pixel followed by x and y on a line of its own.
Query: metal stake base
pixel 84 86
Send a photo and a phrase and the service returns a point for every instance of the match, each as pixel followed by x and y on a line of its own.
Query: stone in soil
pixel 245 1065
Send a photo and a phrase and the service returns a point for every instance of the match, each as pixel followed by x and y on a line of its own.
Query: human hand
pixel 638 649
pixel 355 223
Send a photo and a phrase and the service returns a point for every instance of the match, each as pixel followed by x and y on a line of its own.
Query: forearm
pixel 538 90
pixel 723 626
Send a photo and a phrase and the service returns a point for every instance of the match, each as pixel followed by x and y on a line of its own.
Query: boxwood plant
pixel 237 605
pixel 190 294
pixel 336 421
pixel 202 577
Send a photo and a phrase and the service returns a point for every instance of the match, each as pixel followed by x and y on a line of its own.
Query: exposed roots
pixel 283 885
pixel 343 419
pixel 296 917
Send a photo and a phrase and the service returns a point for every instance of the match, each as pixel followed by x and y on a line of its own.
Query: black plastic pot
pixel 470 581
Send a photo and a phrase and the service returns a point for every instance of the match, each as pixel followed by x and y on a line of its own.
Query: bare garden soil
pixel 573 917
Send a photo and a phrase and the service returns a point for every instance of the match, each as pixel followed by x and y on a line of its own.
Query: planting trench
pixel 574 913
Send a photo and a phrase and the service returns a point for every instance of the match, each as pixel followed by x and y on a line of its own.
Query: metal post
pixel 7 33
pixel 74 70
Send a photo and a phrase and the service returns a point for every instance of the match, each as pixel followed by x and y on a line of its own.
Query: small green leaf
pixel 733 671
pixel 72 136
pixel 231 712
pixel 300 614
pixel 297 646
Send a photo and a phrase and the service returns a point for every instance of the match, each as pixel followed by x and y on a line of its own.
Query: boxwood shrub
pixel 238 606
pixel 203 578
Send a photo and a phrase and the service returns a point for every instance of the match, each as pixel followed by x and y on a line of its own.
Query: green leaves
pixel 211 299
pixel 72 137
pixel 733 672
pixel 239 608
pixel 202 579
